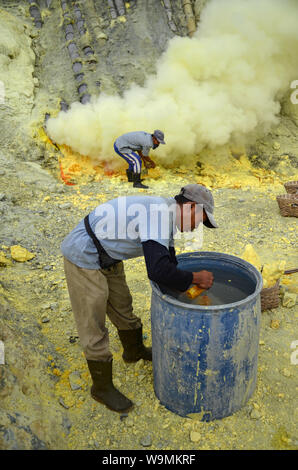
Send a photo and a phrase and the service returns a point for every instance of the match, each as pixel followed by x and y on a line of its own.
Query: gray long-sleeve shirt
pixel 138 140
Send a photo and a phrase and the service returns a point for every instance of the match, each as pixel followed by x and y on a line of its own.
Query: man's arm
pixel 147 160
pixel 162 268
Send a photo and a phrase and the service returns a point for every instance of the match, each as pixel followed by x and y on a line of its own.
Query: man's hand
pixel 203 279
pixel 153 165
pixel 149 163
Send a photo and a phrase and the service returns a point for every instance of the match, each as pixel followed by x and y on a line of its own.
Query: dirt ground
pixel 44 383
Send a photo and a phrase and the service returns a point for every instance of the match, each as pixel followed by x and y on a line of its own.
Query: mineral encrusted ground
pixel 44 383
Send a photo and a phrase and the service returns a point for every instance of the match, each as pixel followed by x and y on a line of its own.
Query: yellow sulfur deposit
pixel 196 93
pixel 154 173
pixel 194 291
pixel 18 253
pixel 272 273
pixel 275 324
pixel 291 282
pixel 251 256
pixel 3 260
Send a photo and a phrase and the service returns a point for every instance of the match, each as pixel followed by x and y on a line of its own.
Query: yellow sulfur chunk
pixel 3 260
pixel 272 273
pixel 18 253
pixel 251 256
pixel 194 291
pixel 274 324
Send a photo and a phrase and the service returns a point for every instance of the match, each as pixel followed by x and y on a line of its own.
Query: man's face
pixel 155 142
pixel 189 216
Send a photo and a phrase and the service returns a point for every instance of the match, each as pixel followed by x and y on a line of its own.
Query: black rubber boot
pixel 134 349
pixel 137 181
pixel 103 389
pixel 129 174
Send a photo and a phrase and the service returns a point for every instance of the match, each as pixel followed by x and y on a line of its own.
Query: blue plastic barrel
pixel 205 357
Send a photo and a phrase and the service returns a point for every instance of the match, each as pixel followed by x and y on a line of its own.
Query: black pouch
pixel 105 260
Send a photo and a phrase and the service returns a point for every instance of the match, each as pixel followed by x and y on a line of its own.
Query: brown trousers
pixel 93 294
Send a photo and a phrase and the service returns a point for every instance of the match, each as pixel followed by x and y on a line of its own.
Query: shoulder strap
pixel 92 235
pixel 105 261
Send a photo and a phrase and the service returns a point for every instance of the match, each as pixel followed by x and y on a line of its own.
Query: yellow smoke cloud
pixel 222 85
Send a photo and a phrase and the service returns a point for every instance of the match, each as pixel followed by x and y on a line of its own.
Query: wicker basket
pixel 270 297
pixel 288 205
pixel 291 187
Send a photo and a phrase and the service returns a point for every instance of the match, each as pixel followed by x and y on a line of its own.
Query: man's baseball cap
pixel 201 195
pixel 159 136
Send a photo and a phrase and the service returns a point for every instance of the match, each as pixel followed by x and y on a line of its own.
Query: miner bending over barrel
pixel 93 259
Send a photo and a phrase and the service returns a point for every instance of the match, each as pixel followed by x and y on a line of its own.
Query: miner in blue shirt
pixel 120 229
pixel 134 148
